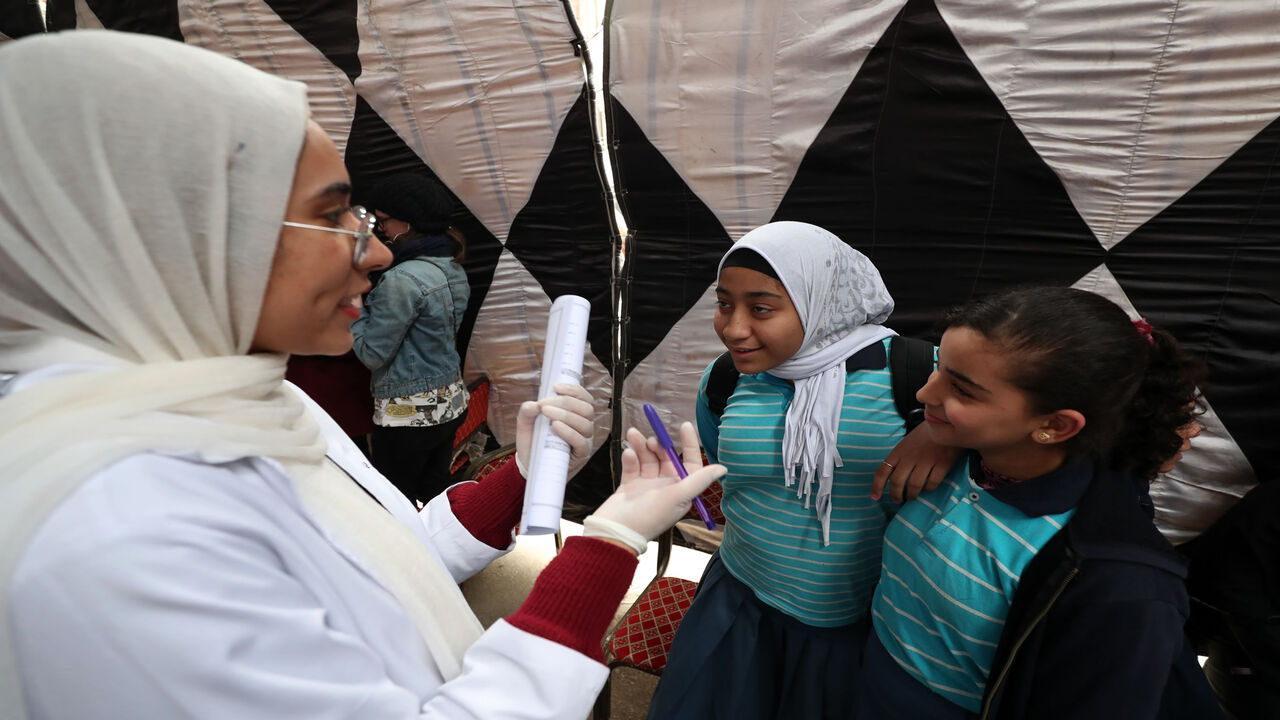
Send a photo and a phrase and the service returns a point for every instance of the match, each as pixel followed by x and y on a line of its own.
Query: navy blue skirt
pixel 885 690
pixel 736 658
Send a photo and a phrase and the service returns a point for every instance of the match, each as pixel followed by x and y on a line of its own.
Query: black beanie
pixel 415 198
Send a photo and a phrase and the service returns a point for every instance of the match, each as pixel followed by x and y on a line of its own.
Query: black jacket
pixel 1096 623
pixel 1234 584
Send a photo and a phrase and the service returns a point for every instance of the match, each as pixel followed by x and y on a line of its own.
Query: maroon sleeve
pixel 576 596
pixel 490 509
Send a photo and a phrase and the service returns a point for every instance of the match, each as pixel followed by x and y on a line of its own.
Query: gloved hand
pixel 572 417
pixel 651 498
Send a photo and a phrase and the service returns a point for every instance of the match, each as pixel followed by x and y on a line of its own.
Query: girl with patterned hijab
pixel 779 620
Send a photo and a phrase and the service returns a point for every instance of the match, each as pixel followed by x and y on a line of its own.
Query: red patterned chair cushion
pixel 493 465
pixel 459 461
pixel 477 412
pixel 465 446
pixel 645 634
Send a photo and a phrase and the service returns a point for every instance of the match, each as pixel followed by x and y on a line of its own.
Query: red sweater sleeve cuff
pixel 577 595
pixel 490 509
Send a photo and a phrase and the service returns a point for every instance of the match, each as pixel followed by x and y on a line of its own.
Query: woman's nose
pixel 378 256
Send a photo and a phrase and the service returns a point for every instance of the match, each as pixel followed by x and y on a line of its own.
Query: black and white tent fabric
pixel 1132 149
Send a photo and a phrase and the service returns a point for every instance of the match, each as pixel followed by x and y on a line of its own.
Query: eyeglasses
pixel 362 236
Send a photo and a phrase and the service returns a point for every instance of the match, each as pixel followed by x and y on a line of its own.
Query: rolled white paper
pixel 549 456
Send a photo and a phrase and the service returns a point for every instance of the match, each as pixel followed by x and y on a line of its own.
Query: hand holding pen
pixel 664 440
pixel 650 497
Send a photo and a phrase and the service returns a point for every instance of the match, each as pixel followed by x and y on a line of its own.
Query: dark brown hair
pixel 1072 349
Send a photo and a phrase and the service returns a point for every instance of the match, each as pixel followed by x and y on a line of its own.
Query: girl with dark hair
pixel 1032 582
pixel 406 334
pixel 1169 399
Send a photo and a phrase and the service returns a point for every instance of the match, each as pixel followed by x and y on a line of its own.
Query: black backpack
pixel 910 363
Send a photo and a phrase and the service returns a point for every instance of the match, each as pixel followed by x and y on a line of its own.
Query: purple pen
pixel 664 440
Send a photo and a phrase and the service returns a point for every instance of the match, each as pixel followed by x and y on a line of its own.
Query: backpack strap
pixel 910 364
pixel 720 384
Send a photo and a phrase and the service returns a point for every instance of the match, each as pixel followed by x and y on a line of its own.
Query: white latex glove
pixel 651 498
pixel 572 416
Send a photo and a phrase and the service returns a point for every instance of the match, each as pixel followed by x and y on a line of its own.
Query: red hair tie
pixel 1144 329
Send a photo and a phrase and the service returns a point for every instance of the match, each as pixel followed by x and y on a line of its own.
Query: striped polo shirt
pixel 952 559
pixel 772 543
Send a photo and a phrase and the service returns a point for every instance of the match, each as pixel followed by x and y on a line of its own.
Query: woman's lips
pixel 931 418
pixel 351 307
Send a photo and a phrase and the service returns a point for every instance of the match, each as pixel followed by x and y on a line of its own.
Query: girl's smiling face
pixel 756 320
pixel 969 403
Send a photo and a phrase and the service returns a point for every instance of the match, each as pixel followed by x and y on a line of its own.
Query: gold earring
pixel 1043 436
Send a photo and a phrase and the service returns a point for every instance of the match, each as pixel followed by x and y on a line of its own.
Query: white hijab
pixel 142 188
pixel 841 300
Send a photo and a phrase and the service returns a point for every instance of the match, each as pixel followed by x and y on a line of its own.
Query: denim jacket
pixel 405 334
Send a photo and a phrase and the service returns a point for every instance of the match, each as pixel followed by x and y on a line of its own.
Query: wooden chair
pixel 642 638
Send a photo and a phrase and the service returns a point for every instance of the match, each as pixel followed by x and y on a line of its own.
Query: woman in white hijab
pixel 774 631
pixel 182 534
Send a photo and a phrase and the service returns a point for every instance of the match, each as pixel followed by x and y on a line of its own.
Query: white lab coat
pixel 165 587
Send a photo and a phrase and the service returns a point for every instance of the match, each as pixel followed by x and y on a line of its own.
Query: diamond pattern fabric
pixel 645 635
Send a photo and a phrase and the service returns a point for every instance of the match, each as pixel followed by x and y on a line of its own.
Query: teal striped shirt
pixel 772 543
pixel 952 559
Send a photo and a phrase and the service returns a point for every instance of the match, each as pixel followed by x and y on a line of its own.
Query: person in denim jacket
pixel 406 334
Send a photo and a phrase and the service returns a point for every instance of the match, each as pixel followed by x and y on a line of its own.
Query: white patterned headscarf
pixel 841 301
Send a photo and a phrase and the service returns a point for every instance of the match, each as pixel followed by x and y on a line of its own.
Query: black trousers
pixel 416 459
